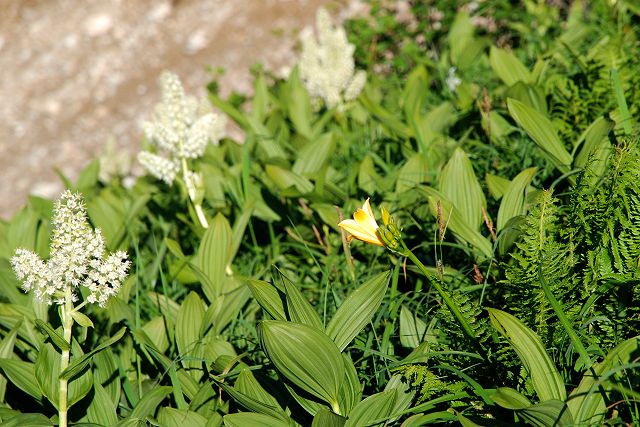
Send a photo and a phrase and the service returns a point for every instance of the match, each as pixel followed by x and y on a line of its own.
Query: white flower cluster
pixel 326 65
pixel 77 259
pixel 177 130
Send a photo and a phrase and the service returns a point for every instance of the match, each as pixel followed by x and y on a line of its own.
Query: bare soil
pixel 75 73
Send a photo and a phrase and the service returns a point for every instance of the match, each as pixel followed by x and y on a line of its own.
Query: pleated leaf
pixel 550 413
pixel 351 388
pixel 22 375
pixel 314 156
pixel 513 200
pixel 149 403
pixel 412 328
pixel 299 308
pixel 508 68
pixel 248 384
pixel 102 410
pixel 268 297
pixel 305 356
pixel 31 420
pixel 326 418
pixel 188 324
pixel 78 364
pixel 248 419
pixel 459 184
pixel 585 401
pixel 374 408
pixel 357 310
pixel 171 417
pixel 214 254
pixel 542 131
pixel 545 378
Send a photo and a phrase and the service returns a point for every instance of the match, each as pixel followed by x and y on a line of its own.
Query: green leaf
pixel 188 326
pixel 305 356
pixel 104 366
pixel 81 319
pixel 497 185
pixel 48 368
pixel 214 255
pixel 299 104
pixel 102 410
pixel 374 410
pixel 287 180
pixel 387 119
pixel 171 417
pixel 596 148
pixel 417 170
pixel 149 403
pixel 313 157
pixel 458 183
pixel 412 329
pixel 31 420
pixel 88 177
pixel 550 413
pixel 56 339
pixel 351 388
pixel 513 201
pixel 255 401
pixel 268 297
pixel 357 310
pixel 247 384
pixel 586 402
pixel 415 92
pixel 22 375
pixel 299 309
pixel 545 378
pixel 174 247
pixel 453 221
pixel 542 131
pixel 510 398
pixel 326 418
pixel 507 67
pixel 248 419
pixel 77 365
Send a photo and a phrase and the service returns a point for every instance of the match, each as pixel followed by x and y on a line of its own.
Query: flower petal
pixel 356 230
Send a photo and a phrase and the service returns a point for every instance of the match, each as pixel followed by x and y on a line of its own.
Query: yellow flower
pixel 363 226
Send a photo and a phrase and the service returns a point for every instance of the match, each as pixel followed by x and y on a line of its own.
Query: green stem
pixel 67 325
pixel 564 320
pixel 192 194
pixel 453 307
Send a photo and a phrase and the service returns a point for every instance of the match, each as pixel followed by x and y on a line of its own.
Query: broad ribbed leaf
pixel 285 179
pixel 188 324
pixel 22 375
pixel 102 410
pixel 357 310
pixel 545 378
pixel 305 356
pixel 513 200
pixel 510 398
pixel 351 388
pixel 550 413
pixel 586 402
pixel 268 297
pixel 299 309
pixel 253 404
pixel 246 383
pixel 156 330
pixel 78 364
pixel 326 418
pixel 313 156
pixel 55 337
pixel 171 417
pixel 412 329
pixel 508 68
pixel 415 171
pixel 459 184
pixel 214 254
pixel 374 408
pixel 248 419
pixel 48 368
pixel 596 148
pixel 497 185
pixel 149 402
pixel 31 420
pixel 542 131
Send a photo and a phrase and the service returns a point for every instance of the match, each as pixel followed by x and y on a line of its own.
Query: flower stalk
pixel 364 227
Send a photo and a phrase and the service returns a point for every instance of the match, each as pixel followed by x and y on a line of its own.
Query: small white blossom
pixel 452 80
pixel 326 64
pixel 177 130
pixel 158 166
pixel 77 259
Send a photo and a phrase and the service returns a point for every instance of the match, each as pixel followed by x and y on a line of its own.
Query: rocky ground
pixel 76 74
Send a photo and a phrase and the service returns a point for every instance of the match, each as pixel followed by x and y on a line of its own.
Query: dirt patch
pixel 74 74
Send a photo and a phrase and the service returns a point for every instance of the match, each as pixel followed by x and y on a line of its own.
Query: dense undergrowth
pixel 502 285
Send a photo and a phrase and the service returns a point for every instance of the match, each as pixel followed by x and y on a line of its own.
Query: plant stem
pixel 192 194
pixel 453 307
pixel 67 325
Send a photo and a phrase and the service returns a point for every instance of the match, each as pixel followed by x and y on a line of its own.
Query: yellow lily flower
pixel 363 226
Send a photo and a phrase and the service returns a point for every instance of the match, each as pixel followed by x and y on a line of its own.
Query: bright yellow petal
pixel 356 231
pixel 367 208
pixel 367 223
